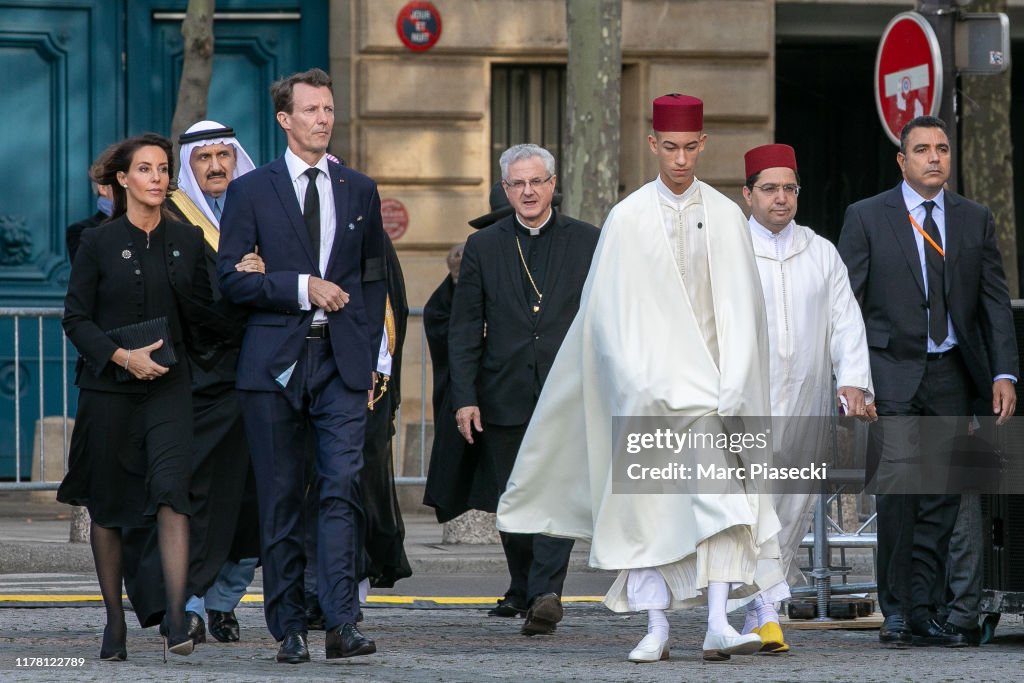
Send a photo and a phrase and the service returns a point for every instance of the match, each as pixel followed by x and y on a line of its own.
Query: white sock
pixel 364 590
pixel 765 611
pixel 657 623
pixel 750 621
pixel 718 596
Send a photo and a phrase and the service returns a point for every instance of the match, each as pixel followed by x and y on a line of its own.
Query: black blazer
pixel 497 372
pixel 878 246
pixel 106 291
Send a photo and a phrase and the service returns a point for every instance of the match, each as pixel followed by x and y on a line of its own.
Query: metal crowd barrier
pixel 13 369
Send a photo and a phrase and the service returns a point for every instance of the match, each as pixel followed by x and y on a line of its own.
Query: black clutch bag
pixel 137 335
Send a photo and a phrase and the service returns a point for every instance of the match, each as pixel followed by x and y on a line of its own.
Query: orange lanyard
pixel 926 236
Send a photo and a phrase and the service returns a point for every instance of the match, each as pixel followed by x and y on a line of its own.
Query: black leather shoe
pixel 196 627
pixel 971 635
pixel 347 641
pixel 932 633
pixel 544 613
pixel 506 608
pixel 294 649
pixel 223 625
pixel 894 631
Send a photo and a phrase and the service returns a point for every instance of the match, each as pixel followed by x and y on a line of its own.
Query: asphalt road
pixel 461 643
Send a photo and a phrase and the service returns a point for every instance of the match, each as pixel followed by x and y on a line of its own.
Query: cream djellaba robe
pixel 635 349
pixel 815 329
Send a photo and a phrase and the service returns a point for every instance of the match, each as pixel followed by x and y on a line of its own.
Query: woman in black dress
pixel 131 447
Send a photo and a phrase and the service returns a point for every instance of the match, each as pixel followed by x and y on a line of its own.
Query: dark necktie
pixel 935 264
pixel 311 212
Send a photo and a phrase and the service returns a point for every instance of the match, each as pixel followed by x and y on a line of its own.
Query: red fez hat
pixel 769 156
pixel 678 113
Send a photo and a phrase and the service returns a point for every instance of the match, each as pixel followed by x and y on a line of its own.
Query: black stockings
pixel 172 530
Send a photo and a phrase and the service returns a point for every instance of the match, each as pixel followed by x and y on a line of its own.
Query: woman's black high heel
pixel 182 645
pixel 113 650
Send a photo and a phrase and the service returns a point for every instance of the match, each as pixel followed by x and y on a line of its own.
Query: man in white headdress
pixel 224 512
pixel 671 325
pixel 814 330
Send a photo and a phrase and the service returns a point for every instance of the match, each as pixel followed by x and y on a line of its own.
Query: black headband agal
pixel 211 134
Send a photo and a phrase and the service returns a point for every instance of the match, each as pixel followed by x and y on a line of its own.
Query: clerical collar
pixel 671 196
pixel 533 232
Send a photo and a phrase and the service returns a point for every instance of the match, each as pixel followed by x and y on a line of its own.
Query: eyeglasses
pixel 770 189
pixel 520 185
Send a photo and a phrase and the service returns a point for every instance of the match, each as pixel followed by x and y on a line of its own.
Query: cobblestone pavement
pixel 463 644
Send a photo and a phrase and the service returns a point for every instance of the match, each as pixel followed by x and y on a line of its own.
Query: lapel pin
pixel 126 254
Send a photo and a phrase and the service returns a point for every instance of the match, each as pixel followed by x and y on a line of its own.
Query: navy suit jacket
pixel 878 246
pixel 261 209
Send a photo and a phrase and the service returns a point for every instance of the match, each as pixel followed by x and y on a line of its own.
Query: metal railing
pixel 17 359
pixel 411 466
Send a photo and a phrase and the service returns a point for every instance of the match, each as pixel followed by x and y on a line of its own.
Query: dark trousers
pixel 537 564
pixel 278 438
pixel 914 528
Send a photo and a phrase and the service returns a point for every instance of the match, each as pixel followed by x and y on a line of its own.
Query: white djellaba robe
pixel 815 329
pixel 635 349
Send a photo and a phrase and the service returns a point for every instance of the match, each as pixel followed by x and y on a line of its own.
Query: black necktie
pixel 311 211
pixel 937 326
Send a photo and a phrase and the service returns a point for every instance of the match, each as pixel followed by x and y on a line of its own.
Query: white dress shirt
pixel 328 219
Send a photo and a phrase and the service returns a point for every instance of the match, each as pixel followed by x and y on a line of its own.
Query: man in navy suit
pixel 308 356
pixel 925 267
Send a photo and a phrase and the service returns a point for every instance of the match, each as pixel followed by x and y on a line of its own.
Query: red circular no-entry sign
pixel 419 25
pixel 908 73
pixel 395 218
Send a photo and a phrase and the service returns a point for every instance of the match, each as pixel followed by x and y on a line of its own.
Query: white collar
pixel 764 232
pixel 666 193
pixel 296 166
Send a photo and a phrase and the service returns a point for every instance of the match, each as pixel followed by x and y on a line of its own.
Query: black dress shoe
pixel 932 633
pixel 506 607
pixel 113 648
pixel 196 627
pixel 894 631
pixel 544 613
pixel 223 625
pixel 971 635
pixel 294 649
pixel 347 641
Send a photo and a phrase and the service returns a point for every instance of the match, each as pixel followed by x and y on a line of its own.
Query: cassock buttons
pixel 699 225
pixel 175 253
pixel 138 272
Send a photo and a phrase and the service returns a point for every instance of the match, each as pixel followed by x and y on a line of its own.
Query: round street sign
pixel 908 73
pixel 395 217
pixel 419 25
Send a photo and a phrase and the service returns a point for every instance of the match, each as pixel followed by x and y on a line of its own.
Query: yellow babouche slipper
pixel 771 638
